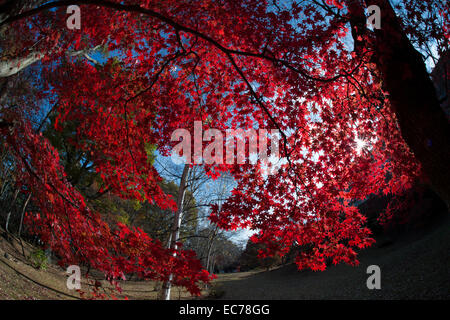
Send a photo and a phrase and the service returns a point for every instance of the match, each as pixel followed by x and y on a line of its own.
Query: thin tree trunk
pixel 3 189
pixel 212 264
pixel 210 246
pixel 167 285
pixel 10 211
pixel 208 257
pixel 23 213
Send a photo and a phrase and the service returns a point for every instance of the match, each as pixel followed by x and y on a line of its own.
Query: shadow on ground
pixel 415 266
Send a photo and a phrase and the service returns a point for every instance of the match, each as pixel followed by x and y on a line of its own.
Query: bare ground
pixel 19 280
pixel 416 266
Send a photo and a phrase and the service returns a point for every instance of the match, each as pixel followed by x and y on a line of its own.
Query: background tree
pixel 252 257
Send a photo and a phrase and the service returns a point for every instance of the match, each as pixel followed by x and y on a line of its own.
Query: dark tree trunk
pixel 10 8
pixel 422 121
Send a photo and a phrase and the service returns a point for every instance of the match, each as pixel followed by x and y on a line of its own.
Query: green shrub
pixel 38 259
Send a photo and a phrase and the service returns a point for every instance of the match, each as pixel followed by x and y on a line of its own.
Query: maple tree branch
pixel 264 108
pixel 179 27
pixel 46 117
pixel 34 174
pixel 169 21
pixel 156 76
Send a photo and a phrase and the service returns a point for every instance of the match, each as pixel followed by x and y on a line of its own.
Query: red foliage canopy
pixel 230 64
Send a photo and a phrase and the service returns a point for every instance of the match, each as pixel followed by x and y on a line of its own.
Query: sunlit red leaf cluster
pixel 233 64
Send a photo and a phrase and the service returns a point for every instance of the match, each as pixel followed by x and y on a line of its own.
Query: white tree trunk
pixel 165 292
pixel 15 65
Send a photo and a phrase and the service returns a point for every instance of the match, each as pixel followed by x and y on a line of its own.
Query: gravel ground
pixel 416 266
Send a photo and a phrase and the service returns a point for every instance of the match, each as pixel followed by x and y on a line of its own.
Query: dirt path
pixel 416 267
pixel 19 280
